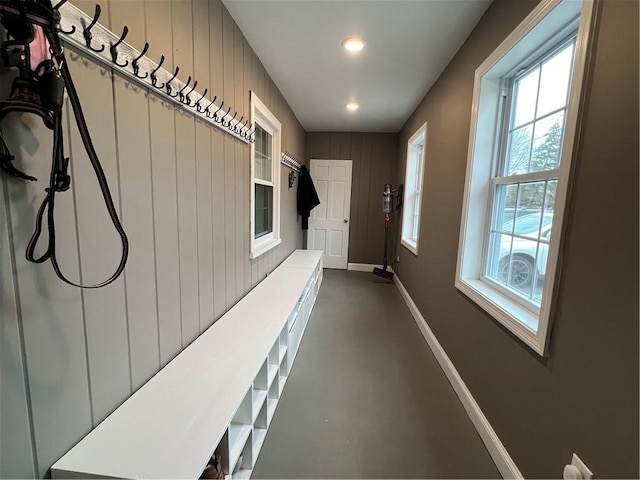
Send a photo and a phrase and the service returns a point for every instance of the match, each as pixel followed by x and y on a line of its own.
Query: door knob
pixel 346 221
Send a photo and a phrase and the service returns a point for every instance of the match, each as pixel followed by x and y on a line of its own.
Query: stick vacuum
pixel 387 206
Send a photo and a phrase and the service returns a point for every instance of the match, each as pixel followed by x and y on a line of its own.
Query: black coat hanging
pixel 307 196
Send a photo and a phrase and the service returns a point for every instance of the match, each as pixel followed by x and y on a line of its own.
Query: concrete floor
pixel 366 397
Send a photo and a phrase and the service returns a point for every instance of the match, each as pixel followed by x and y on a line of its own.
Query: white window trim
pixel 420 136
pixel 261 115
pixel 547 18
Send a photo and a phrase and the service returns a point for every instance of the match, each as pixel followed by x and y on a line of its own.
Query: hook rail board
pixel 290 162
pixel 84 34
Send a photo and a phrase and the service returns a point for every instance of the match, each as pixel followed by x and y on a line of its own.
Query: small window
pixel 265 179
pixel 525 112
pixel 413 190
pixel 263 183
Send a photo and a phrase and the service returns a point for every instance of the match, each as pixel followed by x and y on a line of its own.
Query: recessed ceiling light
pixel 353 44
pixel 352 106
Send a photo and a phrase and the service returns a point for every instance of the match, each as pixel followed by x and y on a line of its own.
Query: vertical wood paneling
pixel 89 6
pixel 354 227
pixel 165 215
pixel 215 50
pixel 240 158
pixel 158 27
pixel 165 195
pixel 345 146
pixel 229 159
pixel 15 434
pixel 219 227
pixel 187 226
pixel 130 13
pixel 135 170
pixel 182 31
pixel 260 88
pixel 204 180
pixel 132 126
pixel 230 220
pixel 375 229
pixel 218 166
pixel 186 176
pixel 335 146
pixel 363 198
pixel 52 320
pixel 205 226
pixel 105 308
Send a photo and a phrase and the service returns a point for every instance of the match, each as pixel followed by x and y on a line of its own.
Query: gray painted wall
pixel 71 356
pixel 584 397
pixel 374 157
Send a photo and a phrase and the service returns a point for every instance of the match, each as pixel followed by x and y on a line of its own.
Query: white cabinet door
pixel 329 221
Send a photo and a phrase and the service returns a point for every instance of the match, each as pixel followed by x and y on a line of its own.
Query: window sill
pixel 523 323
pixel 411 246
pixel 263 247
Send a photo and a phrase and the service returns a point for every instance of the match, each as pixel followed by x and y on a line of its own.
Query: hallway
pixel 366 398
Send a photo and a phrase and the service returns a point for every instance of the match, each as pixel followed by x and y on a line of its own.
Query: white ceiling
pixel 409 43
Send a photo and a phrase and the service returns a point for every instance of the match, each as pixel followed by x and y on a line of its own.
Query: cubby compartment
pixel 260 386
pixel 260 429
pixel 240 429
pixel 222 450
pixel 244 464
pixel 274 353
pixel 283 354
pixel 274 389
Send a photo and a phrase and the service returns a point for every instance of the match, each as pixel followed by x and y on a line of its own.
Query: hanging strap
pixel 6 163
pixel 59 179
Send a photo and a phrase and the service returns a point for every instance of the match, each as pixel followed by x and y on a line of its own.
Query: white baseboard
pixel 498 452
pixel 365 267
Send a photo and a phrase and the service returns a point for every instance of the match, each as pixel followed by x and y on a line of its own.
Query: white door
pixel 329 221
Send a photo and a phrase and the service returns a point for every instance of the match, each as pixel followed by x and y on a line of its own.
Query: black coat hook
pixel 221 119
pixel 168 84
pixel 215 114
pixel 197 104
pixel 114 48
pixel 180 92
pixel 187 98
pixel 70 32
pixel 246 131
pixel 87 31
pixel 154 79
pixel 134 62
pixel 235 128
pixel 228 123
pixel 241 129
pixel 73 27
pixel 250 136
pixel 206 110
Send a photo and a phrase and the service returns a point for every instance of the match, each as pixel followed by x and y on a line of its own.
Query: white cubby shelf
pixel 218 396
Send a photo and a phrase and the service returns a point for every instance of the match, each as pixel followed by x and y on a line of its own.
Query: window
pixel 413 189
pixel 526 97
pixel 265 179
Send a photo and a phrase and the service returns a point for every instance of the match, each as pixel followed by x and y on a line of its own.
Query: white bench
pixel 218 395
